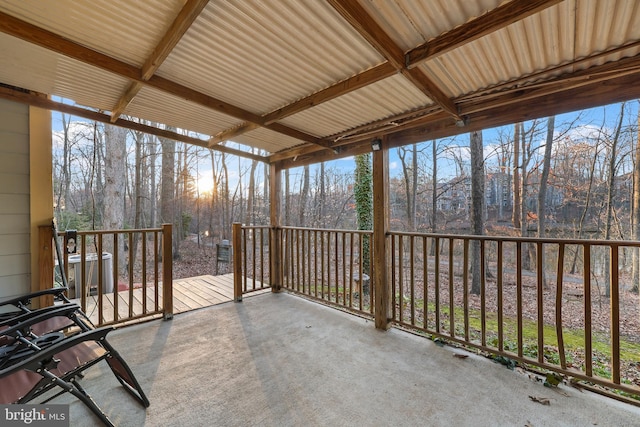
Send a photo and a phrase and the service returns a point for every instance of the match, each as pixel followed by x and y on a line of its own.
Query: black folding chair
pixel 44 352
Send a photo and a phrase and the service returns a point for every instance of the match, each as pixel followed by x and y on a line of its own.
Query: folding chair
pixel 43 354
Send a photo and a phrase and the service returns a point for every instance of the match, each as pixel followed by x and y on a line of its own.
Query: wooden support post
pixel 275 195
pixel 45 264
pixel 167 271
pixel 237 261
pixel 382 300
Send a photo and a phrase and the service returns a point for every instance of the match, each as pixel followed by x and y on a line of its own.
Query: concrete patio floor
pixel 279 360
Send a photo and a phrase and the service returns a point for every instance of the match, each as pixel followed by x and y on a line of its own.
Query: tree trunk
pixel 611 195
pixel 516 214
pixel 477 207
pixel 304 194
pixel 635 214
pixel 363 191
pixel 114 188
pixel 167 189
pixel 542 191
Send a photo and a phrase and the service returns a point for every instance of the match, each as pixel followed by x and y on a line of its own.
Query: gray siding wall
pixel 14 199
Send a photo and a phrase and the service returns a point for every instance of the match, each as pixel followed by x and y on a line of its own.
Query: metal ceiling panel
pixel 262 55
pixel 29 66
pixel 411 23
pixel 389 97
pixel 161 107
pixel 544 41
pixel 267 140
pixel 123 29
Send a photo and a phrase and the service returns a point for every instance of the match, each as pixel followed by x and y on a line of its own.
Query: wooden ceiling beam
pixel 189 12
pixel 343 87
pixel 51 41
pixel 372 75
pixel 494 20
pixel 48 104
pixel 228 134
pixel 371 31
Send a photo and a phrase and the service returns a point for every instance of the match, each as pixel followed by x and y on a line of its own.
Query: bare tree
pixel 542 190
pixel 477 206
pixel 611 192
pixel 167 192
pixel 114 188
pixel 635 212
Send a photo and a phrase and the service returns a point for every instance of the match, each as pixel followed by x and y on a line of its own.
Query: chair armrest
pixel 38 316
pixel 24 300
pixel 33 361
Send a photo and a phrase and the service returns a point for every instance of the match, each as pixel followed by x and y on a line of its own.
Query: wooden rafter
pixel 48 40
pixel 343 87
pixel 46 103
pixel 371 31
pixel 500 17
pixel 189 12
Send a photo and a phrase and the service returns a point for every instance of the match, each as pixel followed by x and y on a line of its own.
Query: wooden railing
pixel 251 261
pixel 131 278
pixel 563 313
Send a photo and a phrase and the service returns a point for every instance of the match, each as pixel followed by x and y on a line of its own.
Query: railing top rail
pixel 514 239
pixel 123 231
pixel 256 227
pixel 330 230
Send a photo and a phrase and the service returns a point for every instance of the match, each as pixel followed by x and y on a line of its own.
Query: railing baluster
pixel 499 275
pixel 394 298
pixel 586 277
pixel 254 249
pixel 360 271
pixel 519 298
pixel 156 290
pixel 452 328
pixel 114 273
pixel 412 276
pixel 559 284
pixel 540 300
pixel 351 270
pixel 465 287
pixel 344 268
pixel 437 283
pixel 100 291
pixel 483 298
pixel 335 264
pixel 131 281
pixel 322 252
pixel 615 314
pixel 401 278
pixel 425 281
pixel 144 271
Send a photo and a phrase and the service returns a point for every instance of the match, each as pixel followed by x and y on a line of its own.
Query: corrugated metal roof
pixel 260 56
pixel 123 29
pixel 161 107
pixel 389 97
pixel 29 66
pixel 263 55
pixel 411 23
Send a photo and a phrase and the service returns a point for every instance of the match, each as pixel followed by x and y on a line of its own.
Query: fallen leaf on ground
pixel 460 356
pixel 541 400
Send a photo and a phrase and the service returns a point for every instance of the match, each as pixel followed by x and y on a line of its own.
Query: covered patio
pixel 280 360
pixel 301 82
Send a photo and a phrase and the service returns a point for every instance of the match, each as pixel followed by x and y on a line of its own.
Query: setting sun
pixel 204 182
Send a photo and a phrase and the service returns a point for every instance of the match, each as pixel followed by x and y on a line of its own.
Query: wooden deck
pixel 188 294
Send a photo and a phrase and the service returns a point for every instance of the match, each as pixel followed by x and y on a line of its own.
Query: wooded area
pixel 574 177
